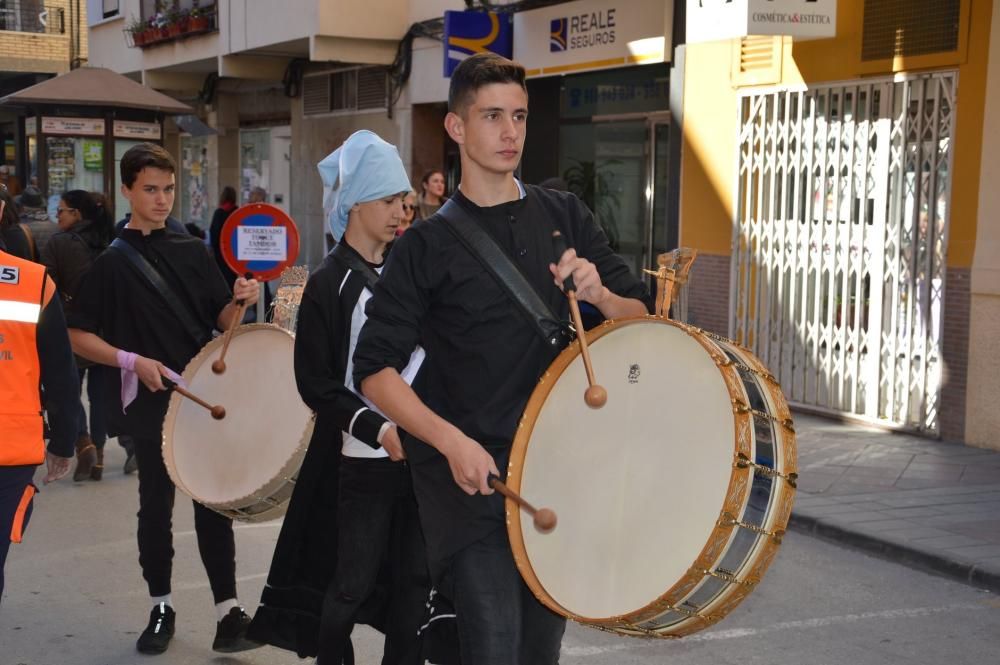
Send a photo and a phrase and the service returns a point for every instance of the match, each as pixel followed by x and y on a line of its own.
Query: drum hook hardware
pixel 726 576
pixel 740 407
pixel 728 520
pixel 729 362
pixel 743 462
pixel 680 609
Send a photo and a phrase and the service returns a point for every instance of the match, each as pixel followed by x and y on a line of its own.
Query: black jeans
pixel 95 396
pixel 14 484
pixel 377 521
pixel 500 622
pixel 156 550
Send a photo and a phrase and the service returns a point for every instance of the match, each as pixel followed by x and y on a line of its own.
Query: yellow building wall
pixel 46 53
pixel 711 121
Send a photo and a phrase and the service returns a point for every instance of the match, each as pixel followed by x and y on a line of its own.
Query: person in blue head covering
pixel 364 169
pixel 353 481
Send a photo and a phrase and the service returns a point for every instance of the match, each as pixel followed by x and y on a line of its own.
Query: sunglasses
pixel 407 206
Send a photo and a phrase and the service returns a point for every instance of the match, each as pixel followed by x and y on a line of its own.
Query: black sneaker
pixel 231 633
pixel 156 637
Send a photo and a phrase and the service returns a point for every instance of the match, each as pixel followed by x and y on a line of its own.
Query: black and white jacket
pixel 330 318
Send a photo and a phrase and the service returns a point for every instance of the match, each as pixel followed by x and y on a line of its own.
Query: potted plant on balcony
pixel 177 22
pixel 137 29
pixel 158 22
pixel 199 18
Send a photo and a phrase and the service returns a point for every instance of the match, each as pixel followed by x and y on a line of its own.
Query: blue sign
pixel 557 35
pixel 468 33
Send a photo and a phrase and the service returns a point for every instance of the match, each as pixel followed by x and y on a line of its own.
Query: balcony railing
pixel 166 26
pixel 32 16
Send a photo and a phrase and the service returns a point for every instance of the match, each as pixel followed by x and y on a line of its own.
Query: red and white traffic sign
pixel 261 239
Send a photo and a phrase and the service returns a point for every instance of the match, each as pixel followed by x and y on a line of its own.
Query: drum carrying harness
pixel 187 320
pixel 555 333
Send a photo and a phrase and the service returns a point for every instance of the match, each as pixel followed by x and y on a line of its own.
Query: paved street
pixel 930 504
pixel 75 595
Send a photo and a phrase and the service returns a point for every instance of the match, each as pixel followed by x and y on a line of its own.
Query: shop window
pixel 75 163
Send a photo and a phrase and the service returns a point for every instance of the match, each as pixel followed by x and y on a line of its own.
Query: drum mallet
pixel 596 396
pixel 218 412
pixel 544 518
pixel 219 365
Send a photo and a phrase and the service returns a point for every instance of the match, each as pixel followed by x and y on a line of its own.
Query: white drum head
pixel 638 484
pixel 221 463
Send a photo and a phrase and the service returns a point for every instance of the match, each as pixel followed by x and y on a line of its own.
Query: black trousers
pixel 16 501
pixel 500 622
pixel 156 550
pixel 377 520
pixel 98 429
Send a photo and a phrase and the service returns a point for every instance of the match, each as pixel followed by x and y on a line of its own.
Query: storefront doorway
pixel 618 166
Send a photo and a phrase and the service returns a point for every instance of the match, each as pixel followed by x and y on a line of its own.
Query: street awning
pixel 95 86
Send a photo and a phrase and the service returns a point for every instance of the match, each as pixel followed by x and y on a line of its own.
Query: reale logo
pixel 557 35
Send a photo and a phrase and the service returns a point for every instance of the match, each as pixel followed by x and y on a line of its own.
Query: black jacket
pixel 305 555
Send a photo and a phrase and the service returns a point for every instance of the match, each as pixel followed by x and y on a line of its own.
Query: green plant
pixel 136 25
pixel 591 182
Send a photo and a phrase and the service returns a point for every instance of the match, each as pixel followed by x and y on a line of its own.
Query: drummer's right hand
pixel 150 373
pixel 471 465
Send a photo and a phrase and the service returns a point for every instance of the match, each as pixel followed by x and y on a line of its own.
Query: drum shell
pixel 755 396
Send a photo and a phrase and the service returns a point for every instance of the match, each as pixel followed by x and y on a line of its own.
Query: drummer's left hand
pixel 247 290
pixel 585 277
pixel 392 444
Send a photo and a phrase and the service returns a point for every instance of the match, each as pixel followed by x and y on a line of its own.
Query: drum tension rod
pixel 727 519
pixel 743 462
pixel 739 406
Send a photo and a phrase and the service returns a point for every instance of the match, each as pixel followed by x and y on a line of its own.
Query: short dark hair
pixel 428 174
pixel 142 156
pixel 480 70
pixel 228 195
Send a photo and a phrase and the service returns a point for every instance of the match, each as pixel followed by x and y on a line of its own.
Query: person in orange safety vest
pixel 35 353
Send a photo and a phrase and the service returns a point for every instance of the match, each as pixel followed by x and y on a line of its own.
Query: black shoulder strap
pixel 482 246
pixel 354 262
pixel 184 315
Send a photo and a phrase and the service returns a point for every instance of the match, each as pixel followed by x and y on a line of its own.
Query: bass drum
pixel 672 499
pixel 243 466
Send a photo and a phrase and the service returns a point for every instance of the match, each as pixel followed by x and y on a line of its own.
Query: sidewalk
pixel 917 501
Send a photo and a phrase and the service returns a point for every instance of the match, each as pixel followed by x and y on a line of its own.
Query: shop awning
pixel 95 86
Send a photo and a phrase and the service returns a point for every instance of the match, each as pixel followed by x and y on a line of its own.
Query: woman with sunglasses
pixel 409 212
pixel 86 228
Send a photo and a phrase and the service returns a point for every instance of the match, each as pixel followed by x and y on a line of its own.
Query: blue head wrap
pixel 364 168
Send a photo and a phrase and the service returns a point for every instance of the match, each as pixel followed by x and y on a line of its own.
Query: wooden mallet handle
pixel 218 412
pixel 595 396
pixel 219 365
pixel 544 518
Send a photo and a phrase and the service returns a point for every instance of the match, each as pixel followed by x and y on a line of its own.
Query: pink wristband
pixel 126 360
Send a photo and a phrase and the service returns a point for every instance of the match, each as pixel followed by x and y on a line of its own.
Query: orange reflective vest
pixel 22 285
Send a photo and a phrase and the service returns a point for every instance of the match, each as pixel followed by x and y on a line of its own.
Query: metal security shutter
pixel 316 94
pixel 344 90
pixel 840 241
pixel 894 28
pixel 372 88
